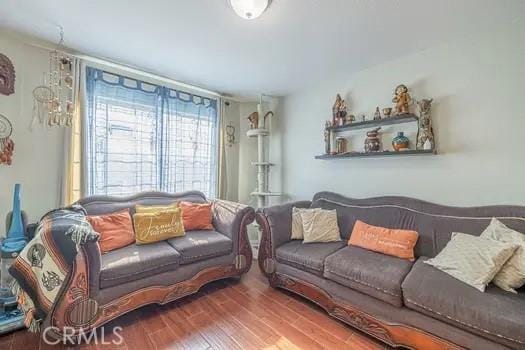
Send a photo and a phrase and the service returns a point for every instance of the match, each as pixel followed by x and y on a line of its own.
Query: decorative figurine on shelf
pixel 377 114
pixel 401 99
pixel 7 76
pixel 254 120
pixel 339 111
pixel 363 118
pixel 327 132
pixel 387 112
pixel 400 142
pixel 425 133
pixel 350 119
pixel 340 143
pixel 373 142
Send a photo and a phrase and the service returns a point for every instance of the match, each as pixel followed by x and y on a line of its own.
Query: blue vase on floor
pixel 15 239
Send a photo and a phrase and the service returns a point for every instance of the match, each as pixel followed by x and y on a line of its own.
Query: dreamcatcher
pixel 42 99
pixel 7 146
pixel 54 101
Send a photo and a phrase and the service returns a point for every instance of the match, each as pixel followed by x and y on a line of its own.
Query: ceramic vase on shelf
pixel 372 142
pixel 400 142
pixel 341 145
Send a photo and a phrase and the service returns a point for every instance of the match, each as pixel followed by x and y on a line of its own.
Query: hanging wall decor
pixel 7 146
pixel 53 103
pixel 7 76
pixel 230 134
pixel 42 99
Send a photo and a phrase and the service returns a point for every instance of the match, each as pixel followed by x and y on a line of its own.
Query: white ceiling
pixel 293 45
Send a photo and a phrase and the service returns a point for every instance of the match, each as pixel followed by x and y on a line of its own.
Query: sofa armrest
pixel 276 227
pixel 231 219
pixel 279 220
pixel 93 262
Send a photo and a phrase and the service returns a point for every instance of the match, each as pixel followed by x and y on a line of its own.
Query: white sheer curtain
pixel 142 136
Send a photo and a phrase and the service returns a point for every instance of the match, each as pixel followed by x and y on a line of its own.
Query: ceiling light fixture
pixel 249 9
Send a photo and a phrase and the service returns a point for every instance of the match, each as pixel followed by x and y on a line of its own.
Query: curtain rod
pixel 45 45
pixel 140 71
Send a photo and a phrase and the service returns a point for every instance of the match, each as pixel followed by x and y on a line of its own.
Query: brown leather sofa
pixel 103 287
pixel 399 302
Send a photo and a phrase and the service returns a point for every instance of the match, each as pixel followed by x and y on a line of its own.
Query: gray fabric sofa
pixel 109 285
pixel 402 303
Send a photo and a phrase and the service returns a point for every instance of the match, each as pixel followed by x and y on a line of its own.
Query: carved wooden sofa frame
pixel 79 312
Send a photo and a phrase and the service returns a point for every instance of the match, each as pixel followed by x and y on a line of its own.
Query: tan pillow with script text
pixel 158 226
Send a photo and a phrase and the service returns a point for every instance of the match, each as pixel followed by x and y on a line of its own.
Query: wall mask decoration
pixel 7 76
pixel 7 146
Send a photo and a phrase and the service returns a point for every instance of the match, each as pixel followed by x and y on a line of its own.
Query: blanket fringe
pixel 27 306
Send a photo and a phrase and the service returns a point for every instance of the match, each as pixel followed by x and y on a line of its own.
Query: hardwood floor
pixel 229 314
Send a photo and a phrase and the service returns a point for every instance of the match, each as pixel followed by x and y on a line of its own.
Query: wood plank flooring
pixel 229 314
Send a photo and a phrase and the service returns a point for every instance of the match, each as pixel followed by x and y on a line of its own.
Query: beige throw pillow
pixel 473 260
pixel 297 222
pixel 512 274
pixel 320 225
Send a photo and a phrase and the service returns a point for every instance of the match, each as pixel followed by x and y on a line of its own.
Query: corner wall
pixel 479 121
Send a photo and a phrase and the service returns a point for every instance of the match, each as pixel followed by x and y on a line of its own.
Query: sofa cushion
pixel 494 314
pixel 309 257
pixel 134 262
pixel 375 274
pixel 200 245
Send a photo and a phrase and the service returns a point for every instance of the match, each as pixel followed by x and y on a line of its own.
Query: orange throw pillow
pixel 398 243
pixel 196 216
pixel 115 229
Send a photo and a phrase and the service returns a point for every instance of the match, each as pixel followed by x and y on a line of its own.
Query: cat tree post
pixel 262 191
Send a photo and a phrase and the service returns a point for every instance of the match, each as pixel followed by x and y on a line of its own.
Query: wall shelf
pixel 397 119
pixel 376 154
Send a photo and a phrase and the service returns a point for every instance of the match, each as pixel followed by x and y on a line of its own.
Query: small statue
pixel 363 118
pixel 339 111
pixel 328 125
pixel 401 99
pixel 254 120
pixel 377 114
pixel 425 133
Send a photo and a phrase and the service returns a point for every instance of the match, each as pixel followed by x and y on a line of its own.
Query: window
pixel 144 137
